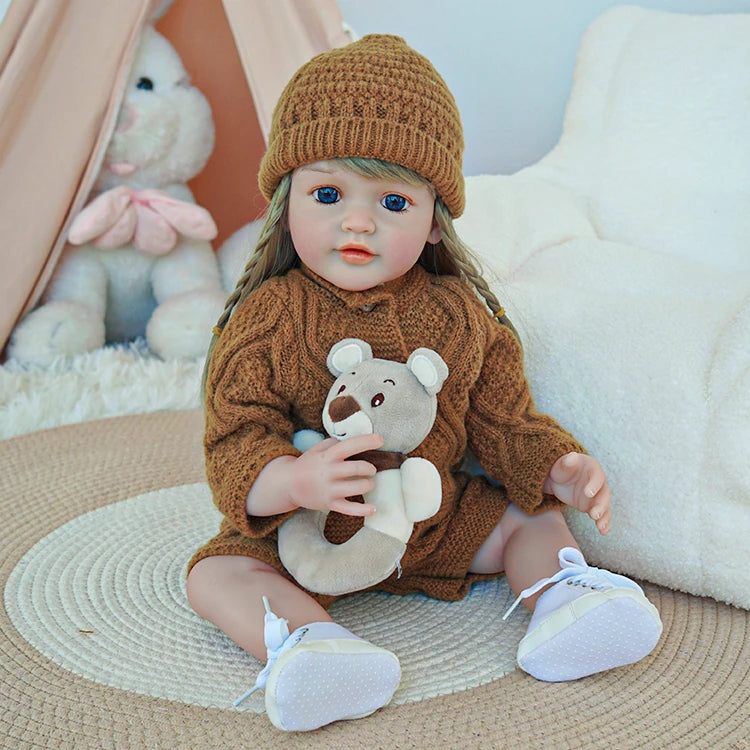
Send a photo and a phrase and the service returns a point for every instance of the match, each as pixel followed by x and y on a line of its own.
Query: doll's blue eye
pixel 394 202
pixel 326 194
pixel 145 83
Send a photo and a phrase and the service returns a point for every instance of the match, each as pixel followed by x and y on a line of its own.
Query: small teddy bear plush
pixel 397 401
pixel 138 260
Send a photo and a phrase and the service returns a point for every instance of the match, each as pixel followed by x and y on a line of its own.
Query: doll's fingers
pixel 354 469
pixel 601 511
pixel 603 522
pixel 598 501
pixel 357 444
pixel 349 487
pixel 349 508
pixel 595 479
pixel 564 469
pixel 322 445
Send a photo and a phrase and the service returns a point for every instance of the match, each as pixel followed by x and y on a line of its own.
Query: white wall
pixel 509 63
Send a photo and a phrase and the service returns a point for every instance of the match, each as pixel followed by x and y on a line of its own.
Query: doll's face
pixel 355 231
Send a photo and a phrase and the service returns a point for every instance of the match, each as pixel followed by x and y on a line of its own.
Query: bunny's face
pixel 164 132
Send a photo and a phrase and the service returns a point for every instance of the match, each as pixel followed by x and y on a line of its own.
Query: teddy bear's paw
pixel 305 439
pixel 60 328
pixel 180 327
pixel 422 488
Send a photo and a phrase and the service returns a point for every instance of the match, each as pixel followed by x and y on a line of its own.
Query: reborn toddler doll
pixel 363 174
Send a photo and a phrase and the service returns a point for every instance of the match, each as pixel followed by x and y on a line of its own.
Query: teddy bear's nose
pixel 342 407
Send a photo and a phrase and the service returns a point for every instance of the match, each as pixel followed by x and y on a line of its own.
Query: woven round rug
pixel 104 597
pixel 100 649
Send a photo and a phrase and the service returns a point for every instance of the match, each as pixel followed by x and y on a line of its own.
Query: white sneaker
pixel 322 673
pixel 329 674
pixel 590 621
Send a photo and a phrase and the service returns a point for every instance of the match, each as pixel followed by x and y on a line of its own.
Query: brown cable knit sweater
pixel 268 378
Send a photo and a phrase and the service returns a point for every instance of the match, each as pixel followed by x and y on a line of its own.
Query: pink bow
pixel 150 219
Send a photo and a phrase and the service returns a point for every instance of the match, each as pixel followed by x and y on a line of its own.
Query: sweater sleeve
pixel 514 443
pixel 248 400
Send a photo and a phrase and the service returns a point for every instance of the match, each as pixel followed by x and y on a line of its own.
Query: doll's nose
pixel 358 220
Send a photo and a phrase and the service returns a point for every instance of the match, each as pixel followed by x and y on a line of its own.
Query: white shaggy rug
pixel 114 381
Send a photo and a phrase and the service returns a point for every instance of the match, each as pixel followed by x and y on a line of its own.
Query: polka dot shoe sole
pixel 321 681
pixel 598 631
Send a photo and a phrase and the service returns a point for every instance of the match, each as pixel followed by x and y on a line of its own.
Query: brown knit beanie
pixel 376 98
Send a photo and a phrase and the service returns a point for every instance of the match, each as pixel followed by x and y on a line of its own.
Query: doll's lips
pixel 356 254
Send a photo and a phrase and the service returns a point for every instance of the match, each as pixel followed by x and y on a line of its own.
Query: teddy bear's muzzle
pixel 342 407
pixel 343 418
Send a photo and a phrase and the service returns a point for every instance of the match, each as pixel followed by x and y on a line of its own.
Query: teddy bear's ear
pixel 429 369
pixel 346 354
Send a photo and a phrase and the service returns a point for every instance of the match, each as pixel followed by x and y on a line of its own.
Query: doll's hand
pixel 322 478
pixel 578 480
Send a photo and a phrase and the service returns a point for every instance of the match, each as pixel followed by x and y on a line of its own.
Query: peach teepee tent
pixel 63 67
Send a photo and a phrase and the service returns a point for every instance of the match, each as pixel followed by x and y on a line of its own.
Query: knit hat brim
pixel 370 139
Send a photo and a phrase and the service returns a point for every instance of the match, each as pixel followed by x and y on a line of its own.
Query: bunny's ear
pixel 429 369
pixel 157 9
pixel 348 353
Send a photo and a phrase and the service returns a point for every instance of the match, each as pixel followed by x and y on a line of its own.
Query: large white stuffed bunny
pixel 138 261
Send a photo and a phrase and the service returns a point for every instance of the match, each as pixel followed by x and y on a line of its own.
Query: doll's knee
pixel 212 575
pixel 491 555
pixel 515 520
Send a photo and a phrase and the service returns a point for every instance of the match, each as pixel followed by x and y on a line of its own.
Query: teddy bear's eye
pixel 377 399
pixel 341 390
pixel 145 83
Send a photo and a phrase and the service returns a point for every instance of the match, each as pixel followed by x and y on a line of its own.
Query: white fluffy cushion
pixel 623 257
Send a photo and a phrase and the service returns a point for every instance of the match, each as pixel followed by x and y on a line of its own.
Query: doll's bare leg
pixel 228 591
pixel 585 620
pixel 525 547
pixel 317 673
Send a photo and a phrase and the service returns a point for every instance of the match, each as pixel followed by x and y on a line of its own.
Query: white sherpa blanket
pixel 623 257
pixel 109 382
pixel 116 380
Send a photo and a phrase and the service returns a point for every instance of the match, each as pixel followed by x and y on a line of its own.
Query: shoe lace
pixel 275 635
pixel 575 571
